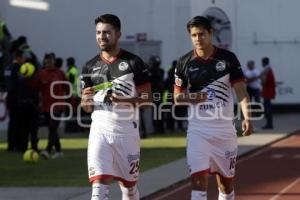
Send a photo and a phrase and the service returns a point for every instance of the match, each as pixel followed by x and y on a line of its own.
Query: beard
pixel 107 47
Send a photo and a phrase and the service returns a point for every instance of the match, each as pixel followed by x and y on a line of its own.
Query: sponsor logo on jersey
pixel 123 66
pixel 220 66
pixel 212 106
pixel 193 69
pixel 178 81
pixel 211 94
pixel 96 68
pixel 207 106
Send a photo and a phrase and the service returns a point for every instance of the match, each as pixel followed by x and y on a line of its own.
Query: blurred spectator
pixel 252 75
pixel 5 40
pixel 157 78
pixel 72 77
pixel 146 118
pixel 28 109
pixel 59 63
pixel 23 45
pixel 4 34
pixel 168 98
pixel 43 81
pixel 268 91
pixel 171 118
pixel 47 55
pixel 11 74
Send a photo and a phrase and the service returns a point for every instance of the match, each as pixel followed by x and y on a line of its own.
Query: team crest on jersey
pixel 220 66
pixel 211 94
pixel 178 81
pixel 123 66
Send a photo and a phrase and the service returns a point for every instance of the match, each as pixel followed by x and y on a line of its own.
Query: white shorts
pixel 211 155
pixel 113 156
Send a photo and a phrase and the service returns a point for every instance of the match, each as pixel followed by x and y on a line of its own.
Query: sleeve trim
pixel 237 80
pixel 143 85
pixel 178 89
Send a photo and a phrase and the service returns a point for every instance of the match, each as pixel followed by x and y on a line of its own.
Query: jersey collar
pixel 114 58
pixel 209 58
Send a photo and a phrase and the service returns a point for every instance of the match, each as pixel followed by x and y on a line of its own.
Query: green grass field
pixel 72 169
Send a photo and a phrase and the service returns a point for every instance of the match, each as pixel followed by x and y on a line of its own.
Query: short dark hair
pixel 109 19
pixel 70 61
pixel 59 62
pixel 199 21
pixel 22 39
pixel 250 62
pixel 49 56
pixel 265 61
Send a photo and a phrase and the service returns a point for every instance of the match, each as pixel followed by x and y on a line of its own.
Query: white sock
pixel 100 191
pixel 223 196
pixel 199 195
pixel 130 193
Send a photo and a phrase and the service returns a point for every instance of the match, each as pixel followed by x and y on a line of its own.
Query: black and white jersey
pixel 214 76
pixel 122 76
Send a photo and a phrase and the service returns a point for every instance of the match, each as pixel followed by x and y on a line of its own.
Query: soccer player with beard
pixel 114 84
pixel 204 78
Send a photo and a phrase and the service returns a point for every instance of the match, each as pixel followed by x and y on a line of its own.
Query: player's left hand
pixel 118 99
pixel 247 128
pixel 125 101
pixel 115 98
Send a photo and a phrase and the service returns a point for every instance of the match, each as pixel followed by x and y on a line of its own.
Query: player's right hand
pixel 247 128
pixel 87 94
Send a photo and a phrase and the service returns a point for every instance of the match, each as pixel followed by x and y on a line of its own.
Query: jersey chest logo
pixel 123 66
pixel 220 66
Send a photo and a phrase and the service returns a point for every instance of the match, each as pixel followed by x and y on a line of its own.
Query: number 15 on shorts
pixel 232 163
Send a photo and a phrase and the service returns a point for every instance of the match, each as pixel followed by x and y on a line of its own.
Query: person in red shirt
pixel 268 91
pixel 50 83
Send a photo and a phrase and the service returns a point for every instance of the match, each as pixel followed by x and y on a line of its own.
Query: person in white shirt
pixel 252 75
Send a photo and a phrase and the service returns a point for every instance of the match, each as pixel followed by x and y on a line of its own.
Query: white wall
pixel 67 28
pixel 169 21
pixel 270 20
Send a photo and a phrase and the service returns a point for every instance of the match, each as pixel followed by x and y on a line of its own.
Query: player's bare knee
pixel 127 184
pixel 226 189
pixel 199 182
pixel 129 193
pixel 225 185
